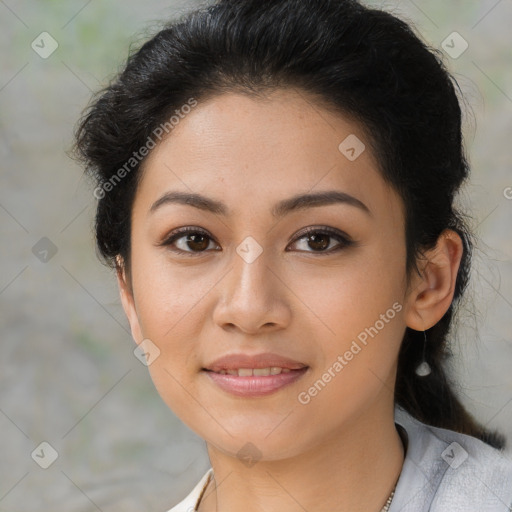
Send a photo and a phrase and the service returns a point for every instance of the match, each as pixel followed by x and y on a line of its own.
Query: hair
pixel 364 63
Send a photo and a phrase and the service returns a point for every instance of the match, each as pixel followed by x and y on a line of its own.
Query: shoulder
pixel 454 471
pixel 189 503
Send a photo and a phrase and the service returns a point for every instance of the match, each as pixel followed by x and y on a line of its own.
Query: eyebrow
pixel 295 203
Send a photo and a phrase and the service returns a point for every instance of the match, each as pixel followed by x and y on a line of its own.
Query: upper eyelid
pixel 179 232
pixel 325 229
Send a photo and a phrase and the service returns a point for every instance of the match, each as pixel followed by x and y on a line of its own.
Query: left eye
pixel 320 240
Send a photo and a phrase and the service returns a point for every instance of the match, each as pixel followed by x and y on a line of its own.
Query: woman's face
pixel 249 281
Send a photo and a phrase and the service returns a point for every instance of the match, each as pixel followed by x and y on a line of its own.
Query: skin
pixel 293 300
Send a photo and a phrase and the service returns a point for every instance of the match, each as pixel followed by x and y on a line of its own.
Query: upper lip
pixel 264 360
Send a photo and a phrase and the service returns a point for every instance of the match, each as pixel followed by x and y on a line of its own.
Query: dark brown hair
pixel 363 62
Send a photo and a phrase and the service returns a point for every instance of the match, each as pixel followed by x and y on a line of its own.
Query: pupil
pixel 322 241
pixel 193 240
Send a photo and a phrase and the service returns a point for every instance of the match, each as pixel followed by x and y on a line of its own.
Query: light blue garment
pixel 443 471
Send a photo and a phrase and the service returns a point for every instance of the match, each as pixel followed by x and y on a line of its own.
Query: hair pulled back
pixel 362 62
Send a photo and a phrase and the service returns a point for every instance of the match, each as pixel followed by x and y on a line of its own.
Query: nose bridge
pixel 250 296
pixel 250 279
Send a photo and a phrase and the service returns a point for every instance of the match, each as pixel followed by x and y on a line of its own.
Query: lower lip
pixel 253 386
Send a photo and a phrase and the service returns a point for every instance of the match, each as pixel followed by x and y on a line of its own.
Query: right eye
pixel 188 240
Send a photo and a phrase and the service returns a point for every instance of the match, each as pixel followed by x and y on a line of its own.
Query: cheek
pixel 165 293
pixel 360 308
pixel 345 300
pixel 362 314
pixel 168 302
pixel 168 307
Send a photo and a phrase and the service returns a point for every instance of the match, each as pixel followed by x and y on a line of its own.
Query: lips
pixel 251 376
pixel 257 372
pixel 272 362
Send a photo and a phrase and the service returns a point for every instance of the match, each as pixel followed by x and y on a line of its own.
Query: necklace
pixel 385 508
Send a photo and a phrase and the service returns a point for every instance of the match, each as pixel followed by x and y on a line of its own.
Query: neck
pixel 355 469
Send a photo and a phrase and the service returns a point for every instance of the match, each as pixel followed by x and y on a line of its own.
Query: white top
pixel 443 471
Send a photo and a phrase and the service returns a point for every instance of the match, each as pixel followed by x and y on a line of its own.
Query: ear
pixel 128 300
pixel 432 293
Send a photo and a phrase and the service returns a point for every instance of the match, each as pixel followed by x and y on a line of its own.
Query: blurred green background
pixel 68 375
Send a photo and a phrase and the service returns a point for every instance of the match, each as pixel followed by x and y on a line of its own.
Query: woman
pixel 275 183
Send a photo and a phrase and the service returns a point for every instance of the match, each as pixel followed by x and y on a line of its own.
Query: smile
pixel 254 382
pixel 259 372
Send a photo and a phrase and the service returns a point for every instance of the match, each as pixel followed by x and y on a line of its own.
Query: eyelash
pixel 339 236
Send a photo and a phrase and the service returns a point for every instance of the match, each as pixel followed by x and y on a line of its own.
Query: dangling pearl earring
pixel 423 369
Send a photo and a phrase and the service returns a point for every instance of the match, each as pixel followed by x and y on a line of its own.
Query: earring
pixel 423 369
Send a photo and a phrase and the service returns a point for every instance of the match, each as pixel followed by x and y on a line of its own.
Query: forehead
pixel 243 149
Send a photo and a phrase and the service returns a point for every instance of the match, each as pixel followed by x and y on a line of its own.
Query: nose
pixel 253 297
